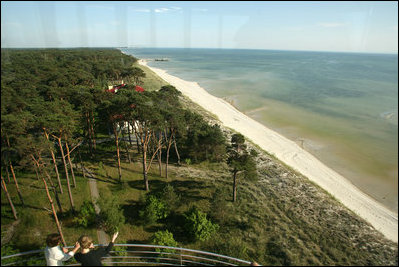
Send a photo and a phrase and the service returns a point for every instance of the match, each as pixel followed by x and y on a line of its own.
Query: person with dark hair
pixel 53 252
pixel 89 257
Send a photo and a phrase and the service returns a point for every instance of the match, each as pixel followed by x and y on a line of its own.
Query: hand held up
pixel 114 236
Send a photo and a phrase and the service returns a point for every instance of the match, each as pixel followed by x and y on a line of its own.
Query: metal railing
pixel 135 254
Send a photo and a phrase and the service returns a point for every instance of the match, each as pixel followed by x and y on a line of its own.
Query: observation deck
pixel 137 255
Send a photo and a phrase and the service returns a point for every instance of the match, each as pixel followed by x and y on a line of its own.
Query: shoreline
pixel 380 217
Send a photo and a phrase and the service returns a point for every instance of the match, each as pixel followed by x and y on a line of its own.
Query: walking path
pixel 10 232
pixel 102 236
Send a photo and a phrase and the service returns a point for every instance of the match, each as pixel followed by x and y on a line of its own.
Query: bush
pixel 163 238
pixel 170 197
pixel 220 210
pixel 8 250
pixel 111 214
pixel 232 246
pixel 198 226
pixel 86 215
pixel 154 210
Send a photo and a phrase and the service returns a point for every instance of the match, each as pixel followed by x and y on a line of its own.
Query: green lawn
pixel 36 222
pixel 151 82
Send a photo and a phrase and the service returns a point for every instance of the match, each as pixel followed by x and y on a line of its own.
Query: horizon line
pixel 215 48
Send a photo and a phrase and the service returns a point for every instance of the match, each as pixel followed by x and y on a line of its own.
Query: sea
pixel 340 107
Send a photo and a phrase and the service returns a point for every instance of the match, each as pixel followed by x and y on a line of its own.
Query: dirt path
pixel 9 233
pixel 101 235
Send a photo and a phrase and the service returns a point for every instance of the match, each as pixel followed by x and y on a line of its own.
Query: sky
pixel 342 26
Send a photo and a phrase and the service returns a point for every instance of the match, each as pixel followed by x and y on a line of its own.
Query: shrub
pixel 170 197
pixel 111 214
pixel 163 238
pixel 86 215
pixel 220 210
pixel 232 246
pixel 6 250
pixel 198 226
pixel 154 210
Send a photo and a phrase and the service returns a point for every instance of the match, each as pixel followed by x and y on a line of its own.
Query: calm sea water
pixel 341 107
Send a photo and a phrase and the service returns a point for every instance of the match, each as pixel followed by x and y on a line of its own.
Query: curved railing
pixel 135 254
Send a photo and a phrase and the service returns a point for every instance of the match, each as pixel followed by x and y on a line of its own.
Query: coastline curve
pixel 380 217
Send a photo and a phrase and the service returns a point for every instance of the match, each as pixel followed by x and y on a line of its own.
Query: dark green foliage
pixel 154 209
pixel 111 214
pixel 240 161
pixel 220 211
pixel 170 94
pixel 86 215
pixel 198 226
pixel 202 141
pixel 231 246
pixel 170 197
pixel 8 250
pixel 164 238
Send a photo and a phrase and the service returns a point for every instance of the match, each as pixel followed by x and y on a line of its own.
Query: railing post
pixel 181 260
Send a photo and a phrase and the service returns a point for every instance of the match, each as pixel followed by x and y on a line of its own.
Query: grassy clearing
pixel 151 82
pixel 37 222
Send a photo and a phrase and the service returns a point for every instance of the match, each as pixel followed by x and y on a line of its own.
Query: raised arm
pixel 110 245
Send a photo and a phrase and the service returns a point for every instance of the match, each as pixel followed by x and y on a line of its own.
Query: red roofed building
pixel 139 89
pixel 115 88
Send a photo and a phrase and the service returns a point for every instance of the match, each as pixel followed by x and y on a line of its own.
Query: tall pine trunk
pixel 57 199
pixel 37 174
pixel 177 151
pixel 70 164
pixel 89 135
pixel 117 153
pixel 67 176
pixel 81 165
pixel 92 131
pixel 147 188
pixel 36 163
pixel 8 173
pixel 4 187
pixel 16 184
pixel 55 165
pixel 54 212
pixel 56 171
pixel 167 159
pixel 129 133
pixel 126 148
pixel 137 140
pixel 159 156
pixel 235 186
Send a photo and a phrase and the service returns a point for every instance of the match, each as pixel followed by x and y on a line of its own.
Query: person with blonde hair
pixel 88 257
pixel 54 254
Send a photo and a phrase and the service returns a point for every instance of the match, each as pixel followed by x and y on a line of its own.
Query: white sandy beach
pixel 291 154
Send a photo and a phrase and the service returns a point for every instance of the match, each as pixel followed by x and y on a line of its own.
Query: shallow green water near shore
pixel 341 107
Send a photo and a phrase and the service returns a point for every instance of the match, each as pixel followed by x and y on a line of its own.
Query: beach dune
pixel 381 218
